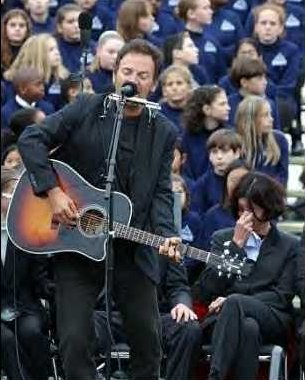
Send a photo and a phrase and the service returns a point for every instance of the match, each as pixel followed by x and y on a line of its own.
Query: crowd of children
pixel 230 84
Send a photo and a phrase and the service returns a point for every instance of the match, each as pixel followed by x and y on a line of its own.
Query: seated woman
pixel 257 309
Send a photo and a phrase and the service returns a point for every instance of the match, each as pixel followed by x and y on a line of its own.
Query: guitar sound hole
pixel 92 221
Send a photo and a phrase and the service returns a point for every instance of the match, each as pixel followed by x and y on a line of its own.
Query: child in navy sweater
pixel 68 38
pixel 249 75
pixel 102 18
pixel 220 216
pixel 101 70
pixel 246 47
pixel 38 10
pixel 180 49
pixel 263 148
pixel 176 83
pixel 197 15
pixel 16 27
pixel 282 58
pixel 224 147
pixel 29 88
pixel 190 223
pixel 206 111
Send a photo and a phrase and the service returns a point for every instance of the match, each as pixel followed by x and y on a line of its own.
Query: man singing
pixel 83 132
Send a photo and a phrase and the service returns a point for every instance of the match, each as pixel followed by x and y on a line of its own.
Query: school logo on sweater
pixel 279 60
pixel 186 234
pixel 240 5
pixel 209 47
pixel 173 3
pixel 292 21
pixel 54 89
pixel 155 27
pixel 96 23
pixel 227 26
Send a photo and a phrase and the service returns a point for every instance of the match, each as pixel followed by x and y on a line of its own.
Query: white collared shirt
pixel 23 103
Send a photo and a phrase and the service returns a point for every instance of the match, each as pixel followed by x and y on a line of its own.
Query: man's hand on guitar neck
pixel 63 207
pixel 170 248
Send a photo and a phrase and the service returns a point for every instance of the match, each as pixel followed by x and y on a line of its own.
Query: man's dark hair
pixel 143 47
pixel 261 190
pixel 21 119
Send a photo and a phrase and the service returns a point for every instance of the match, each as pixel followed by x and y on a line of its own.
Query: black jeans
pixel 78 283
pixel 33 349
pixel 243 324
pixel 181 342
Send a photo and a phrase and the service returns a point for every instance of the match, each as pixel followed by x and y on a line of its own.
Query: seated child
pixel 190 222
pixel 224 147
pixel 101 70
pixel 220 216
pixel 176 83
pixel 30 91
pixel 249 76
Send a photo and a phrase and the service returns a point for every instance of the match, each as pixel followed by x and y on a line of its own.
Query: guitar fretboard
pixel 152 240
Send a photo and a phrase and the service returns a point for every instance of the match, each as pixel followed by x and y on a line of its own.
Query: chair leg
pixel 277 357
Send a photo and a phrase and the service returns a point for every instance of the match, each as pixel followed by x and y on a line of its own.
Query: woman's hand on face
pixel 243 228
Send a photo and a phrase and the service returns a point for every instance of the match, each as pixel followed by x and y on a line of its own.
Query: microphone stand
pixel 109 229
pixel 83 66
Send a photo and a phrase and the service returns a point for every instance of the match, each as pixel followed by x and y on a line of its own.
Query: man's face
pixel 139 69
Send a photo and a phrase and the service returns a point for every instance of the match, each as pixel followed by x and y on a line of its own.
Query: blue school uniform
pixel 197 162
pixel 216 218
pixel 241 8
pixel 191 233
pixel 71 53
pixel 101 80
pixel 200 74
pixel 294 24
pixel 210 55
pixel 174 115
pixel 236 98
pixel 45 27
pixel 53 94
pixel 166 24
pixel 283 61
pixel 230 88
pixel 207 191
pixel 227 29
pixel 102 20
pixel 280 170
pixel 11 106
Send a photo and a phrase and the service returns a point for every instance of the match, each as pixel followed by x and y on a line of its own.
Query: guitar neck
pixel 152 240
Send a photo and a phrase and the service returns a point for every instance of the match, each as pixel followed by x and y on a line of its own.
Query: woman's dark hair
pixel 172 43
pixel 236 164
pixel 21 119
pixel 193 116
pixel 261 190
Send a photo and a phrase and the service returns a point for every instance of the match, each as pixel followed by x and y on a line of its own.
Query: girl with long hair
pixel 41 51
pixel 206 111
pixel 16 27
pixel 263 148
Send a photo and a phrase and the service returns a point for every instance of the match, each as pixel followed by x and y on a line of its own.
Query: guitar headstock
pixel 228 265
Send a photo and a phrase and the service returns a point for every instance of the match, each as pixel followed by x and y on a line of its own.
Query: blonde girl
pixel 264 148
pixel 41 51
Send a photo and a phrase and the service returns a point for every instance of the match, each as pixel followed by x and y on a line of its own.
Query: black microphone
pixel 128 89
pixel 85 26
